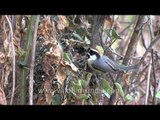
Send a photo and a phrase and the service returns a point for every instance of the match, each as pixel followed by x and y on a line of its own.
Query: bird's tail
pixel 126 68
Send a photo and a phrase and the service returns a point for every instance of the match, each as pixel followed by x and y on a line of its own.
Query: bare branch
pixel 32 61
pixel 149 48
pixel 154 76
pixel 132 44
pixel 148 82
pixel 13 57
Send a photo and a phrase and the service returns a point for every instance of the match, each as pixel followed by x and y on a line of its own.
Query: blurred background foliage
pixel 61 76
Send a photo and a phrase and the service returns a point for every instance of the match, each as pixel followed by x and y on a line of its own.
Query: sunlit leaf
pixel 115 35
pixel 83 84
pixel 88 76
pixel 128 98
pixel 83 96
pixel 120 90
pixel 67 58
pixel 107 87
pixel 76 85
pixel 106 93
pixel 158 94
pixel 88 42
pixel 100 49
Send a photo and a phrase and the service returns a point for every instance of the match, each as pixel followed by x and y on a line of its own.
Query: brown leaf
pixel 110 21
pixel 6 70
pixel 3 100
pixel 71 66
pixel 2 57
pixel 127 79
pixel 62 22
pixel 60 74
pixel 45 27
pixel 41 101
pixel 48 91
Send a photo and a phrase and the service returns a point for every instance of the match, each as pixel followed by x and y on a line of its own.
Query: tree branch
pixel 154 76
pixel 148 82
pixel 132 44
pixel 32 61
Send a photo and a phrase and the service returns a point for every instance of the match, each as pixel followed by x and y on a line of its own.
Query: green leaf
pixel 100 49
pixel 83 96
pixel 128 98
pixel 72 93
pixel 107 31
pixel 21 52
pixel 120 90
pixel 115 34
pixel 67 58
pixel 111 33
pixel 130 17
pixel 77 86
pixel 88 76
pixel 77 36
pixel 56 100
pixel 21 63
pixel 158 94
pixel 83 84
pixel 106 93
pixel 88 42
pixel 107 87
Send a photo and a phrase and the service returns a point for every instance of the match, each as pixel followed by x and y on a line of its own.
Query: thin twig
pixel 32 61
pixel 143 40
pixel 154 76
pixel 127 26
pixel 13 62
pixel 148 82
pixel 149 48
pixel 132 44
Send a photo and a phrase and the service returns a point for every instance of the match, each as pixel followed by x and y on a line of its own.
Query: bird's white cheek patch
pixel 93 57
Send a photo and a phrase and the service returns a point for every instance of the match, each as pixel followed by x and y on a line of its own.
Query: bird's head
pixel 93 54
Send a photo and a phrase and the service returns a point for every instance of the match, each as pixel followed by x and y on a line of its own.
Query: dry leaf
pixel 110 21
pixel 60 75
pixel 7 68
pixel 45 27
pixel 127 79
pixel 62 22
pixel 41 101
pixel 3 100
pixel 2 57
pixel 48 91
pixel 71 66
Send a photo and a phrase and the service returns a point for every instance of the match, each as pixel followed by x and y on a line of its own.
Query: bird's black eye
pixel 93 52
pixel 89 50
pixel 88 55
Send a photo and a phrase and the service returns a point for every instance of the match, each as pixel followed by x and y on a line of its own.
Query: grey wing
pixel 111 63
pixel 103 65
pixel 98 66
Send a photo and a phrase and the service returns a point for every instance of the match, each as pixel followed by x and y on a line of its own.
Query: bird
pixel 102 64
